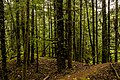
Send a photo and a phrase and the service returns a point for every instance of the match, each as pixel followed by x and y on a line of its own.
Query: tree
pixel 55 28
pixel 36 38
pixel 88 22
pixel 44 53
pixel 80 55
pixel 18 33
pixel 109 31
pixel 97 32
pixel 93 46
pixel 116 32
pixel 66 51
pixel 74 42
pixel 104 33
pixel 28 31
pixel 2 39
pixel 60 34
pixel 25 42
pixel 69 35
pixel 23 23
pixel 49 24
pixel 32 34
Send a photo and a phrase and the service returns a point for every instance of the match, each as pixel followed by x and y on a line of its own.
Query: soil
pixel 48 71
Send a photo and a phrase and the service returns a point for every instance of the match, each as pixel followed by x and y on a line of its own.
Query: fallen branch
pixel 118 77
pixel 46 77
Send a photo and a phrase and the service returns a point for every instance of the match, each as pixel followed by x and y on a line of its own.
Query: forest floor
pixel 80 71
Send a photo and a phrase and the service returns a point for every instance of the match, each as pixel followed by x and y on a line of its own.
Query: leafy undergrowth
pixel 80 71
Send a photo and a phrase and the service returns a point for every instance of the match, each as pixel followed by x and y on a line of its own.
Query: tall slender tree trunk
pixel 97 33
pixel 66 31
pixel 109 31
pixel 80 55
pixel 74 42
pixel 2 39
pixel 60 43
pixel 55 28
pixel 44 53
pixel 116 33
pixel 26 38
pixel 36 39
pixel 49 25
pixel 28 31
pixel 93 46
pixel 83 41
pixel 32 34
pixel 18 33
pixel 104 33
pixel 69 35
pixel 88 21
pixel 23 23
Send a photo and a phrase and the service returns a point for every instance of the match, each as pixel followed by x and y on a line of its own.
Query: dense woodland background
pixel 86 31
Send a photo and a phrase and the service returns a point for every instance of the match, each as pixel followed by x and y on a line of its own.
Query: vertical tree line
pixel 60 29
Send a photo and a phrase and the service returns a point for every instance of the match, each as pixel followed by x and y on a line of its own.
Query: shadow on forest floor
pixel 80 71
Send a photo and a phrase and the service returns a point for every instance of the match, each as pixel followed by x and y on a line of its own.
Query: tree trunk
pixel 66 31
pixel 55 29
pixel 69 35
pixel 25 40
pixel 2 39
pixel 44 53
pixel 36 38
pixel 97 34
pixel 93 46
pixel 60 43
pixel 32 35
pixel 28 32
pixel 49 25
pixel 104 33
pixel 18 33
pixel 80 55
pixel 88 22
pixel 109 31
pixel 74 42
pixel 116 32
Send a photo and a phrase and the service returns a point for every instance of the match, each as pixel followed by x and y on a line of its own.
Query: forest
pixel 59 39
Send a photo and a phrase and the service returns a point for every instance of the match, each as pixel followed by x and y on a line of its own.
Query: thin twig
pixel 46 77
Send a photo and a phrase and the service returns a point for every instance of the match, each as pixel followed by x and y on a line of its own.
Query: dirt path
pixel 84 73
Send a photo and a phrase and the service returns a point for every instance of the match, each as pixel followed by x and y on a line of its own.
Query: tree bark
pixel 2 39
pixel 80 55
pixel 69 35
pixel 116 33
pixel 74 42
pixel 36 39
pixel 109 31
pixel 32 35
pixel 55 29
pixel 44 53
pixel 93 46
pixel 104 33
pixel 18 33
pixel 60 43
pixel 97 53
